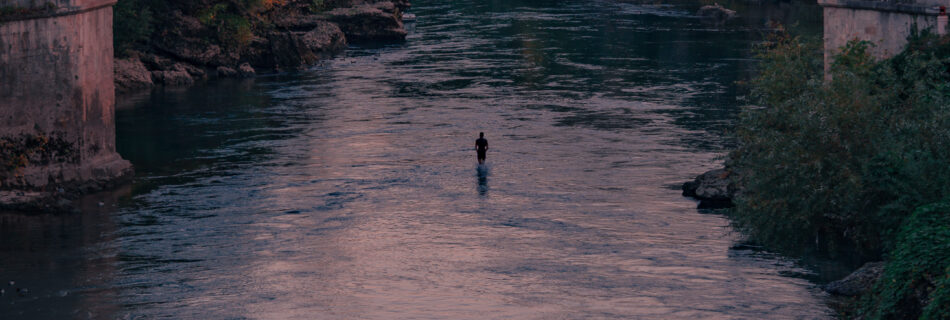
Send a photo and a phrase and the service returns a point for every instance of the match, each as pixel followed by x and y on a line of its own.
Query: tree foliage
pixel 916 280
pixel 230 23
pixel 840 162
pixel 132 25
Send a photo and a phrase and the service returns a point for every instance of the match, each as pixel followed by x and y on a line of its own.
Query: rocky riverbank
pixel 294 35
pixel 912 270
pixel 714 189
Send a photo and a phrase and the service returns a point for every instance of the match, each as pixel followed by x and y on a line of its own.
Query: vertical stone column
pixel 57 97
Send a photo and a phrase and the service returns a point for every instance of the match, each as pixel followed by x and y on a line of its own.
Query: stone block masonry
pixel 57 99
pixel 886 24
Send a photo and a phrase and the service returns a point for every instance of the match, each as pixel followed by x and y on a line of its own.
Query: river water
pixel 351 190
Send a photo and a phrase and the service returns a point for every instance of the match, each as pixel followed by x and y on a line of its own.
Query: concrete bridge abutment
pixel 57 100
pixel 886 24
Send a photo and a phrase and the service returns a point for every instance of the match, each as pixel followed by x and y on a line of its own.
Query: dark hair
pixel 481 134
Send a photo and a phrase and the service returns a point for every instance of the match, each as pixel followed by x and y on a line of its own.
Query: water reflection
pixel 341 192
pixel 482 171
pixel 61 266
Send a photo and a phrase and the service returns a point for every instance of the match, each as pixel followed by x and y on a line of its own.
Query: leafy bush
pixel 132 24
pixel 916 279
pixel 839 163
pixel 236 21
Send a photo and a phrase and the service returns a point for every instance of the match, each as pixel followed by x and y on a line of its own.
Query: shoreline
pixel 295 40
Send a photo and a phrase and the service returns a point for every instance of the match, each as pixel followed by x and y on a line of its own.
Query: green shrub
pixel 235 21
pixel 839 163
pixel 132 25
pixel 918 270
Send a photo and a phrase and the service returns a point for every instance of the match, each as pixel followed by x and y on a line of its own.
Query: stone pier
pixel 57 101
pixel 886 24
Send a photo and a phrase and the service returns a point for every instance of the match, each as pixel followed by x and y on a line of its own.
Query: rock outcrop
pixel 185 39
pixel 714 189
pixel 295 37
pixel 246 71
pixel 858 281
pixel 131 74
pixel 225 72
pixel 715 13
pixel 172 77
pixel 294 49
pixel 376 21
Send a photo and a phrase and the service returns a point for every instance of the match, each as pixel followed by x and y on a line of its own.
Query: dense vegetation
pixel 234 22
pixel 918 270
pixel 856 159
pixel 132 24
pixel 839 163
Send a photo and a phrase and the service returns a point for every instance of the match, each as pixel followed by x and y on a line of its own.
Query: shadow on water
pixel 482 172
pixel 61 266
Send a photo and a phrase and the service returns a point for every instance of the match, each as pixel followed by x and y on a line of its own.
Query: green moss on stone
pixel 35 149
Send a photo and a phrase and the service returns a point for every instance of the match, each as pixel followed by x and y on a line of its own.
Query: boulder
pixel 713 189
pixel 324 39
pixel 172 77
pixel 295 50
pixel 225 72
pixel 715 13
pixel 156 62
pixel 368 22
pixel 131 74
pixel 858 281
pixel 245 70
pixel 193 71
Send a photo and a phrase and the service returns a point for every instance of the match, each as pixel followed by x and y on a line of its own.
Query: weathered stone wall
pixel 884 23
pixel 57 99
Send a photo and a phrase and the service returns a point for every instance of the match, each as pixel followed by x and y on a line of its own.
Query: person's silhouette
pixel 481 147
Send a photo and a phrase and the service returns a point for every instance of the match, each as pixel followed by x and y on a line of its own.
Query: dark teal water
pixel 351 190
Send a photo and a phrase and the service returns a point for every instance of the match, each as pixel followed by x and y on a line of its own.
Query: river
pixel 351 190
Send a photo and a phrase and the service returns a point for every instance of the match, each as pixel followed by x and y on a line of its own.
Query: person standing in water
pixel 481 147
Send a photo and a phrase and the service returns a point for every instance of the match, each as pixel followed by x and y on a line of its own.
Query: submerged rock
pixel 858 281
pixel 714 189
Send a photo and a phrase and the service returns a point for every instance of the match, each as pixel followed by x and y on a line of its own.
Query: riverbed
pixel 351 190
